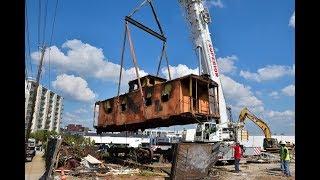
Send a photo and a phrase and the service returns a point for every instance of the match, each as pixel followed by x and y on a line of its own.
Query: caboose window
pixel 148 101
pixel 123 107
pixel 165 97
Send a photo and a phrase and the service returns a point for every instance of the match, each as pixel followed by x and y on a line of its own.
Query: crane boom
pixel 198 17
pixel 245 113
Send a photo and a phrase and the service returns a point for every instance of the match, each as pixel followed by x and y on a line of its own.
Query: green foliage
pixel 77 140
pixel 42 135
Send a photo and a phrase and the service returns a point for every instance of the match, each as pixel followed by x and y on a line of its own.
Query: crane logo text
pixel 214 63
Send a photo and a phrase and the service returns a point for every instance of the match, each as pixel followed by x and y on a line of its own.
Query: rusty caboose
pixel 162 103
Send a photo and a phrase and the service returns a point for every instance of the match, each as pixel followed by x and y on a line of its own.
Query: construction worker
pixel 237 156
pixel 286 158
pixel 281 157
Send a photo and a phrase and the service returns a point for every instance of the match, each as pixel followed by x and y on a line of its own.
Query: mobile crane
pixel 211 129
pixel 198 17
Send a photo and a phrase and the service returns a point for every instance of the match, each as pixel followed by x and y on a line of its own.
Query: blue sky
pixel 254 42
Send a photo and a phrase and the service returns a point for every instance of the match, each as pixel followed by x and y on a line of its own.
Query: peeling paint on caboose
pixel 181 101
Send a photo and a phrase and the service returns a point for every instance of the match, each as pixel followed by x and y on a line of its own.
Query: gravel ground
pixel 252 171
pixel 266 171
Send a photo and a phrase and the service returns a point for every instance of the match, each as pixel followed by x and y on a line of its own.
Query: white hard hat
pixel 281 142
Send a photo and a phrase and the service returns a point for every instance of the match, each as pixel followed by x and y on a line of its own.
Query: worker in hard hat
pixel 285 155
pixel 281 157
pixel 237 156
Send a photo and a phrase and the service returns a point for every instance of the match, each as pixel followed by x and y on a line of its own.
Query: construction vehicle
pixel 187 100
pixel 221 129
pixel 198 17
pixel 269 144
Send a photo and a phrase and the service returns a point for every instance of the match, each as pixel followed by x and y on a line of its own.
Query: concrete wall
pixel 257 141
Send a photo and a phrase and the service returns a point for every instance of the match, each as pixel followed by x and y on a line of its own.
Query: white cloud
pixel 179 71
pixel 287 115
pixel 292 20
pixel 236 94
pixel 69 116
pixel 270 72
pixel 215 3
pixel 87 61
pixel 240 96
pixel 289 90
pixel 259 93
pixel 74 118
pixel 274 94
pixel 226 64
pixel 81 110
pixel 74 88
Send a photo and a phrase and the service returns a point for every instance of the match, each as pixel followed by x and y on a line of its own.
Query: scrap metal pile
pixel 89 161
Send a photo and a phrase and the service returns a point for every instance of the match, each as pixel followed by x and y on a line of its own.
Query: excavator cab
pixel 270 143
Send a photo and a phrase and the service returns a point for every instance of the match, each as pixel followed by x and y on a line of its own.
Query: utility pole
pixel 34 97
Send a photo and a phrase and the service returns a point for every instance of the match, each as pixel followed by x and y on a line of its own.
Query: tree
pixel 42 135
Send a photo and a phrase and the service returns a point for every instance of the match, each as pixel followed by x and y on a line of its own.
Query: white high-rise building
pixel 48 108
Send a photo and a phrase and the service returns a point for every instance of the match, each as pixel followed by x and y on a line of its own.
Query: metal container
pixel 181 101
pixel 193 160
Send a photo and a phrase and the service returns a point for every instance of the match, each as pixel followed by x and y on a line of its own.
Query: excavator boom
pixel 245 113
pixel 269 144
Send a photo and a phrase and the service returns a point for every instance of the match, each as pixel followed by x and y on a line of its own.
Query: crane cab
pixel 206 132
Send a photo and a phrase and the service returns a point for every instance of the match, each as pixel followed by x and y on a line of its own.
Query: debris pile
pixel 264 158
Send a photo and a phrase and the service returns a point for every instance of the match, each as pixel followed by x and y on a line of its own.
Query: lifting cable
pixel 138 8
pixel 134 59
pixel 122 54
pixel 127 33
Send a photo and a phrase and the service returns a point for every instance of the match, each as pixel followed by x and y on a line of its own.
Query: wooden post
pixel 34 97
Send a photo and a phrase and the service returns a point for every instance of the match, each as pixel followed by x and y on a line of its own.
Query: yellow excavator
pixel 269 144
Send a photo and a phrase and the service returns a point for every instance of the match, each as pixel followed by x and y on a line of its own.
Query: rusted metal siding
pixel 158 110
pixel 193 160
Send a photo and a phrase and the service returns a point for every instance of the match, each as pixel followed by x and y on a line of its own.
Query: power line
pixel 39 22
pixel 45 23
pixel 54 20
pixel 51 36
pixel 28 38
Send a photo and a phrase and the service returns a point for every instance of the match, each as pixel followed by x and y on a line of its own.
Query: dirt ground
pixel 250 171
pixel 253 171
